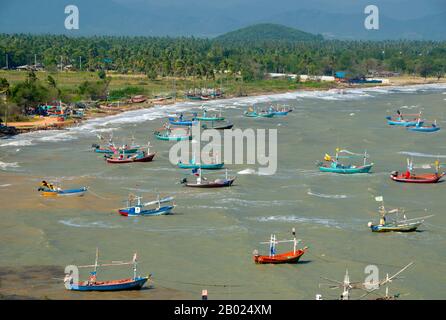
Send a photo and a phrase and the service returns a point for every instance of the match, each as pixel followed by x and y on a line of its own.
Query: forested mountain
pixel 267 32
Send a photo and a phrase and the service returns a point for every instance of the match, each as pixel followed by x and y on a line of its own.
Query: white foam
pixel 77 223
pixel 324 222
pixel 247 171
pixel 5 185
pixel 327 196
pixel 5 165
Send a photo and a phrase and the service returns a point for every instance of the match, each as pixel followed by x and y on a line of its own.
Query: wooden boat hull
pixel 258 115
pixel 396 228
pixel 424 129
pixel 114 285
pixel 65 193
pixel 421 178
pixel 147 158
pixel 213 166
pixel 172 138
pixel 280 113
pixel 361 169
pixel 288 257
pixel 131 212
pixel 210 118
pixel 404 123
pixel 213 184
pixel 187 123
pixel 218 127
pixel 109 151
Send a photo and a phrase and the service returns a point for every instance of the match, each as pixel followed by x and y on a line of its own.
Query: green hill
pixel 267 32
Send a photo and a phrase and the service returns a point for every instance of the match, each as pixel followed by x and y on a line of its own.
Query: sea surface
pixel 207 243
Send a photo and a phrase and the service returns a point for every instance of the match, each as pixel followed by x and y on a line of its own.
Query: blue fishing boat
pixel 92 284
pixel 206 117
pixel 278 112
pixel 400 119
pixel 420 128
pixel 334 165
pixel 176 122
pixel 50 190
pixel 255 114
pixel 136 208
pixel 166 134
pixel 204 166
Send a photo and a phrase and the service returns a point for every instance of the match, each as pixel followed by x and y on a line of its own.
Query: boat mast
pixel 294 240
pixel 365 157
pixel 96 261
pixel 135 264
pixel 272 245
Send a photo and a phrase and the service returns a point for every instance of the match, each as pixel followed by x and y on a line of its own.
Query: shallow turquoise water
pixel 209 240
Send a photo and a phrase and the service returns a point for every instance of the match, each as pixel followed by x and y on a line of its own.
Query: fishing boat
pixel 410 177
pixel 261 114
pixel 206 117
pixel 334 166
pixel 180 121
pixel 400 119
pixel 214 165
pixel 167 134
pixel 274 258
pixel 136 208
pixel 202 182
pixel 141 156
pixel 220 125
pixel 279 112
pixel 420 128
pixel 390 220
pixel 50 190
pixel 369 287
pixel 111 147
pixel 92 284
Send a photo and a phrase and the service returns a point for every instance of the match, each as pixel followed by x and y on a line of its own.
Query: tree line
pixel 205 58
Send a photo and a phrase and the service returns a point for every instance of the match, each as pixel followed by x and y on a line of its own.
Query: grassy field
pixel 69 82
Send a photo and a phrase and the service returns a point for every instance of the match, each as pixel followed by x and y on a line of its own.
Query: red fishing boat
pixel 410 177
pixel 287 257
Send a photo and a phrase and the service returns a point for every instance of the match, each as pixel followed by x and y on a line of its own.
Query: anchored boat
pixel 140 156
pixel 50 190
pixel 205 166
pixel 400 119
pixel 220 125
pixel 279 112
pixel 136 208
pixel 92 284
pixel 274 258
pixel 410 177
pixel 251 113
pixel 202 182
pixel 180 121
pixel 369 286
pixel 390 220
pixel 168 134
pixel 335 166
pixel 206 117
pixel 420 128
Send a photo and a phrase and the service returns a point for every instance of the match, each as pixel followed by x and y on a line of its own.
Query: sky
pixel 417 19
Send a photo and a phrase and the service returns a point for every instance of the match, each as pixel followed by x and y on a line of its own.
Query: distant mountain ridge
pixel 267 32
pixel 178 18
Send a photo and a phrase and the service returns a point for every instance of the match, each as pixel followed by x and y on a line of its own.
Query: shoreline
pixel 31 126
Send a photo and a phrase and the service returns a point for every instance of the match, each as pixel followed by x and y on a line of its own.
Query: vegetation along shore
pixel 42 86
